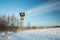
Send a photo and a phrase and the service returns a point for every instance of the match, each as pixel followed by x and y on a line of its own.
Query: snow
pixel 43 34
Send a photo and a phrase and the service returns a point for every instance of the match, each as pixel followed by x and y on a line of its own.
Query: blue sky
pixel 38 12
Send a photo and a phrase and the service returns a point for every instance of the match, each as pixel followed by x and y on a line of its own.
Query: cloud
pixel 43 9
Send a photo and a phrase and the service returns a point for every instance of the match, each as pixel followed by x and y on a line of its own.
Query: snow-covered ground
pixel 43 34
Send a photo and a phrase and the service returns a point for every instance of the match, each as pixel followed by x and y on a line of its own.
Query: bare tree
pixel 3 22
pixel 6 21
pixel 13 20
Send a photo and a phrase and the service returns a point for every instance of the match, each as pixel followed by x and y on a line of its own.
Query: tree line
pixel 6 22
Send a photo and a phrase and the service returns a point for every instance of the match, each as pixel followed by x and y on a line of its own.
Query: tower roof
pixel 22 14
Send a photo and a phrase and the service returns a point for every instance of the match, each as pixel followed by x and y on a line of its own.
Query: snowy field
pixel 43 34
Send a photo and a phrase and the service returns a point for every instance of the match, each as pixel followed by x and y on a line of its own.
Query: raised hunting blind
pixel 22 15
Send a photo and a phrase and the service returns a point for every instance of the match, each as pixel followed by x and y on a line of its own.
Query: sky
pixel 37 12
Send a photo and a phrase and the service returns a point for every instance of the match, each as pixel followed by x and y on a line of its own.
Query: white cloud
pixel 42 9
